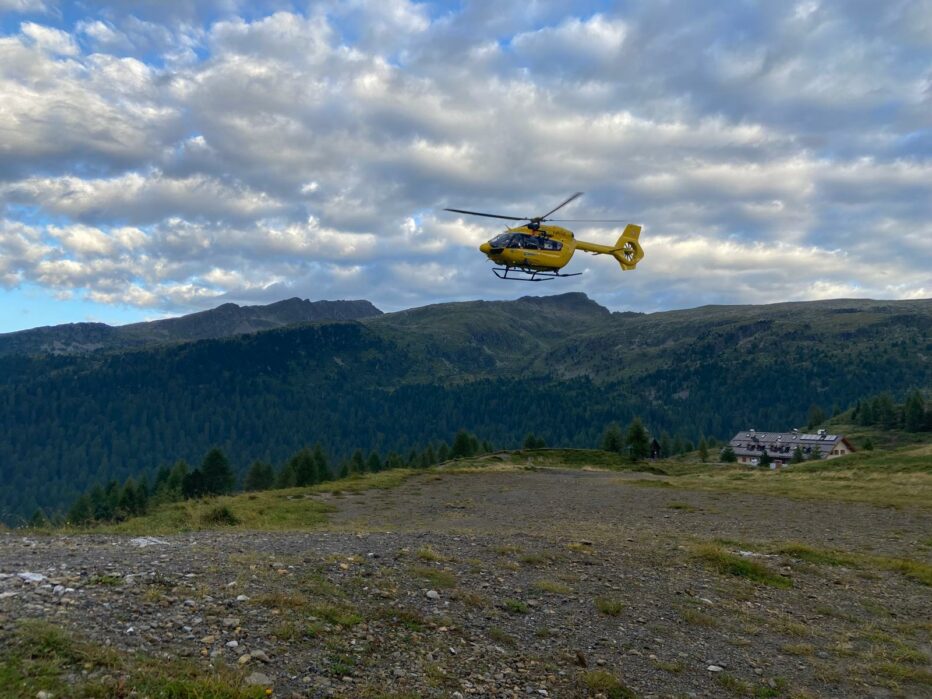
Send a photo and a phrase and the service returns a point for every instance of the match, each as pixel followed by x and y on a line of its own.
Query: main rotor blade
pixel 588 220
pixel 575 196
pixel 477 213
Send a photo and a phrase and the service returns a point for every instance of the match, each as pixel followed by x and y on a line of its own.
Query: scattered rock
pixel 259 679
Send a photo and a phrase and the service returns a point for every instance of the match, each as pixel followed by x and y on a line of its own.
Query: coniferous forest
pixel 560 368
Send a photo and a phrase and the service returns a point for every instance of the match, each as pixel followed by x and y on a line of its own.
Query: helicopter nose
pixel 486 248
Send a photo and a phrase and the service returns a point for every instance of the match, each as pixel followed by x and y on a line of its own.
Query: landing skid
pixel 529 275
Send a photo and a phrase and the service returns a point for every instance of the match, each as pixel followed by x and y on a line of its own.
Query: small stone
pixel 242 598
pixel 260 655
pixel 433 594
pixel 42 694
pixel 208 640
pixel 258 679
pixel 715 668
pixel 243 659
pixel 230 621
pixel 398 672
pixel 232 644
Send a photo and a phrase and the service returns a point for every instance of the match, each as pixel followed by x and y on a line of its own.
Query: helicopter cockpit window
pixel 501 241
pixel 548 244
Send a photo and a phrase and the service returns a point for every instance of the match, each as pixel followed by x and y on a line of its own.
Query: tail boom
pixel 627 250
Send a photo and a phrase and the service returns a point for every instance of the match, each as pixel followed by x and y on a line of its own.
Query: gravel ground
pixel 505 584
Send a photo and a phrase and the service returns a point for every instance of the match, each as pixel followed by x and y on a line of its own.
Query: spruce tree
pixel 637 441
pixel 464 444
pixel 728 455
pixel 80 512
pixel 357 462
pixel 612 439
pixel 321 465
pixel 815 454
pixel 764 459
pixel 193 485
pixel 260 476
pixel 374 463
pixel 286 476
pixel 914 413
pixel 703 450
pixel 816 416
pixel 302 464
pixel 217 475
pixel 798 456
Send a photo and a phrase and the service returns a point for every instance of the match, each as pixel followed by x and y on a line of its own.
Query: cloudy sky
pixel 163 157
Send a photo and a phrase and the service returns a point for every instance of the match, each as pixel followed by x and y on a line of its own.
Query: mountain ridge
pixel 226 320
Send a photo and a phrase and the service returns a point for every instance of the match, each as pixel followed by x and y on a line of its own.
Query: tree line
pixel 215 476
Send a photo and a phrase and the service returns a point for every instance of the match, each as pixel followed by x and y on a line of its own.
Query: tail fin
pixel 628 250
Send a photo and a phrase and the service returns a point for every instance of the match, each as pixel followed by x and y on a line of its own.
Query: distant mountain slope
pixel 224 321
pixel 560 366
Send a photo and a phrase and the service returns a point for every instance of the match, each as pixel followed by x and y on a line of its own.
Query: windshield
pixel 528 242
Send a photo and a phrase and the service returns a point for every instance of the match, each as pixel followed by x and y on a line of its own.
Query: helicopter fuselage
pixel 542 248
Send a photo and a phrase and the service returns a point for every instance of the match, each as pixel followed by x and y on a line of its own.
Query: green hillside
pixel 561 367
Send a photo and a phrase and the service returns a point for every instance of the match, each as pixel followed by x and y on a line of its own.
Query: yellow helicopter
pixel 535 252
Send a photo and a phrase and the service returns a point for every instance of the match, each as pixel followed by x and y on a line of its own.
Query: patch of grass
pixel 553 587
pixel 534 559
pixel 646 482
pixel 501 636
pixel 515 606
pixel 610 607
pixel 220 516
pixel 605 683
pixel 41 657
pixel 286 631
pixel 728 563
pixel 798 649
pixel 733 684
pixel 437 578
pixel 426 553
pixel 810 554
pixel 337 614
pixel 674 666
pixel 471 599
pixel 699 618
pixel 106 580
pixel 507 550
pixel 684 506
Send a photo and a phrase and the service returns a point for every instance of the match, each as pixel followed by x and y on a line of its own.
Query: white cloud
pixel 203 150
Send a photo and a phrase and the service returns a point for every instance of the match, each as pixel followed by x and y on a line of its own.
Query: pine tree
pixel 914 413
pixel 194 485
pixel 217 475
pixel 321 466
pixel 798 456
pixel 286 476
pixel 703 450
pixel 443 453
pixel 867 444
pixel 260 476
pixel 464 445
pixel 816 416
pixel 176 478
pixel 374 463
pixel 38 519
pixel 612 439
pixel 765 459
pixel 728 455
pixel 302 465
pixel 80 512
pixel 815 454
pixel 637 440
pixel 127 505
pixel 532 441
pixel 666 445
pixel 866 414
pixel 357 462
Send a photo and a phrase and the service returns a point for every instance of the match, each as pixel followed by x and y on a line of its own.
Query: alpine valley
pixel 87 403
